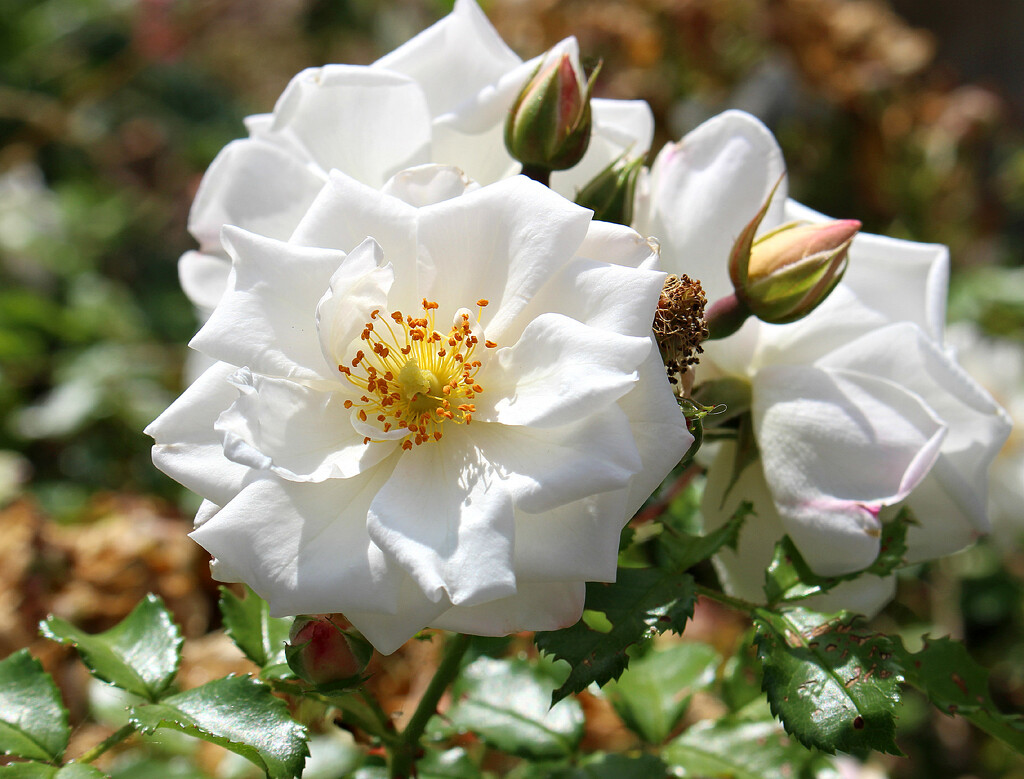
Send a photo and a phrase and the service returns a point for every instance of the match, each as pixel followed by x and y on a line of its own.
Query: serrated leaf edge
pixel 838 681
pixel 302 731
pixel 60 703
pixel 165 615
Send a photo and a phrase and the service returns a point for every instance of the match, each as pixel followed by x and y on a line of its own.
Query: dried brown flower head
pixel 679 324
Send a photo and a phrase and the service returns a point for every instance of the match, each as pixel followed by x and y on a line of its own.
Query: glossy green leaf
pixel 42 771
pixel 957 685
pixel 641 603
pixel 832 683
pixel 237 713
pixel 789 578
pixel 249 624
pixel 140 654
pixel 652 694
pixel 507 704
pixel 33 720
pixel 729 749
pixel 611 766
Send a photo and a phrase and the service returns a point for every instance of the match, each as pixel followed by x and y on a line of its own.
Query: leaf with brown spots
pixel 832 683
pixel 957 685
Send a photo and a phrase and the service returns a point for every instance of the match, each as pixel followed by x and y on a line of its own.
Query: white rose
pixel 447 423
pixel 442 97
pixel 856 407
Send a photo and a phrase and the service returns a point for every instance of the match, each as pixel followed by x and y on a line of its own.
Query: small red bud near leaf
pixel 324 649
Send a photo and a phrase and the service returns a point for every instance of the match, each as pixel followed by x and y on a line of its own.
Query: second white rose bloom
pixel 445 423
pixel 857 407
pixel 442 97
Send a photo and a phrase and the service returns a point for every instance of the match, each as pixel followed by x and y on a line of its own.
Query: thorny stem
pixel 727 600
pixel 402 758
pixel 113 739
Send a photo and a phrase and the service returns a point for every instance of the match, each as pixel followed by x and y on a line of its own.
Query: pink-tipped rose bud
pixel 792 269
pixel 324 649
pixel 548 126
pixel 785 274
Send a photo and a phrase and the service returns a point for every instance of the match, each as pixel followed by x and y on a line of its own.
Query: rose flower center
pixel 412 376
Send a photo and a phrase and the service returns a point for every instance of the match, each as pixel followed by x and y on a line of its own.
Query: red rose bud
pixel 548 126
pixel 324 649
pixel 610 193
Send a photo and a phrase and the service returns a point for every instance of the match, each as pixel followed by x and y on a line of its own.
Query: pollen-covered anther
pixel 415 377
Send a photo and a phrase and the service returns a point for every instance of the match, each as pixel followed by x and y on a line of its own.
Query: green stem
pixel 727 600
pixel 725 316
pixel 402 758
pixel 543 175
pixel 114 738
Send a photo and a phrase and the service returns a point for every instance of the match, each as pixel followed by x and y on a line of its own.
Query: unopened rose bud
pixel 610 193
pixel 794 268
pixel 324 649
pixel 784 275
pixel 548 126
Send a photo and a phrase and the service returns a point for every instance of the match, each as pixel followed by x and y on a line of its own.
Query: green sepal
pixel 833 684
pixel 140 654
pixel 33 720
pixel 739 257
pixel 239 714
pixel 611 192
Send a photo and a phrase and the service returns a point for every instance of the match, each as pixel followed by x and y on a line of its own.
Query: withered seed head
pixel 679 325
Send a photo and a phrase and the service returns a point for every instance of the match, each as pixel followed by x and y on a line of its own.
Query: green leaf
pixel 33 720
pixel 789 578
pixel 641 603
pixel 833 684
pixel 687 550
pixel 41 771
pixel 237 713
pixel 728 749
pixel 249 624
pixel 956 684
pixel 612 766
pixel 506 703
pixel 651 696
pixel 140 654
